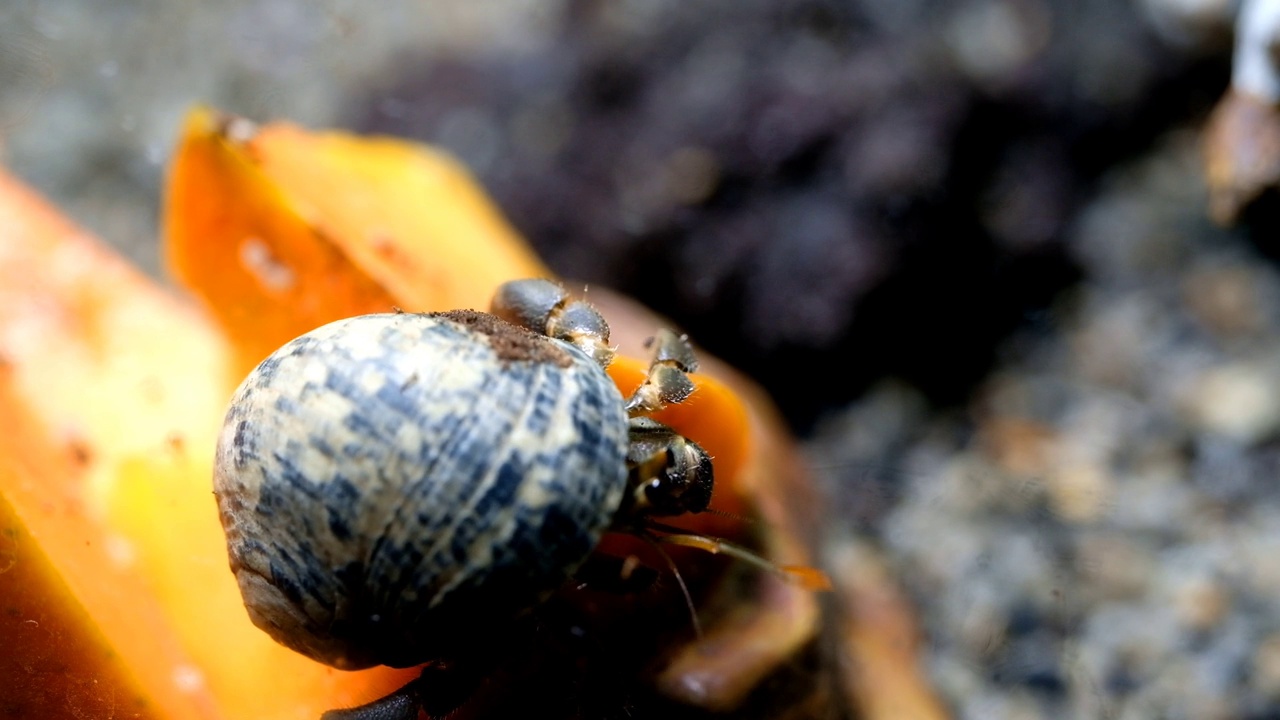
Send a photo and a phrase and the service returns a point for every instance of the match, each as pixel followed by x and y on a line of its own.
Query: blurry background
pixel 963 243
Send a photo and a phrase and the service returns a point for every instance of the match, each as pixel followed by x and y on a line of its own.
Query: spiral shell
pixel 388 483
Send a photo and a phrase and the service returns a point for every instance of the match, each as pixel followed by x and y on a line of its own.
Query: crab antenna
pixel 808 578
pixel 684 589
pixel 732 516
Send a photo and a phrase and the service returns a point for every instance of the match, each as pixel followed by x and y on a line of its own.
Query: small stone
pixel 1200 603
pixel 1239 400
pixel 1114 566
pixel 1225 299
pixel 1080 492
pixel 1266 666
pixel 1019 446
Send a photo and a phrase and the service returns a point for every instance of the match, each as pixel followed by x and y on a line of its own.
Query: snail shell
pixel 391 484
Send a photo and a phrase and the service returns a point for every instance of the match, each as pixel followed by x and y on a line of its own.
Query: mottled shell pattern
pixel 389 483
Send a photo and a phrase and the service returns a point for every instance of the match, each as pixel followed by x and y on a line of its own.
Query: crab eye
pixel 685 483
pixel 701 479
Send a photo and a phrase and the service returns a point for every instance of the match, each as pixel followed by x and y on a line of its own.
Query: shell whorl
pixel 388 480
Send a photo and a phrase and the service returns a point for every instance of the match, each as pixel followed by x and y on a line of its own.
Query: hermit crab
pixel 402 488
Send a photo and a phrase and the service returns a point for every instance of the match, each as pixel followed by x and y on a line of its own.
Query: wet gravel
pixel 1096 534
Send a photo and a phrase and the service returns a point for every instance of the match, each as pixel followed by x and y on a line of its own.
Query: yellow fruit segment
pixel 280 230
pixel 54 654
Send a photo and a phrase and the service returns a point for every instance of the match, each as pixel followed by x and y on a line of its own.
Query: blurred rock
pixel 1088 540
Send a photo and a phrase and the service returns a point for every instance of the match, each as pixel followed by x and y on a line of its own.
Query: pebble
pixel 1098 535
